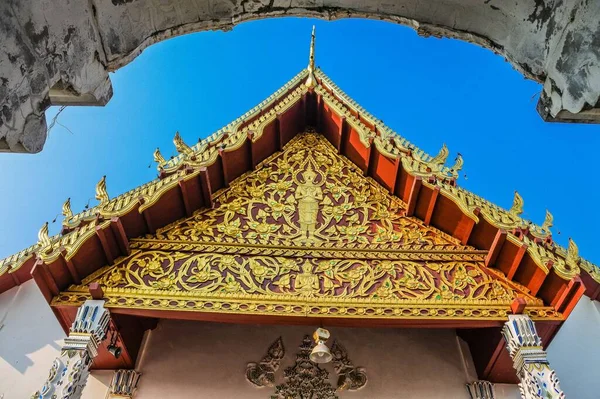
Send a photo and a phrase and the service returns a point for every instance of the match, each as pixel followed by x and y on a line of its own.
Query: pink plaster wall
pixel 203 360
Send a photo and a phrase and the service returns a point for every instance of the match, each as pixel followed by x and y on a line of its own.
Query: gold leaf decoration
pixel 458 163
pixel 181 146
pixel 548 221
pixel 440 159
pixel 309 196
pixel 101 193
pixel 307 234
pixel 159 159
pixel 43 237
pixel 66 209
pixel 517 206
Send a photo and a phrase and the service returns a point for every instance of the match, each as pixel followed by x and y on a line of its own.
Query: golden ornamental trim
pixel 410 252
pixel 309 307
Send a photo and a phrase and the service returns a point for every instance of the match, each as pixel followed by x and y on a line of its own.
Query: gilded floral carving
pixel 309 196
pixel 307 233
pixel 210 273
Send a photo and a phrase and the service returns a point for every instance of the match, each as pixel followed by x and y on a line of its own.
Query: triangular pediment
pixel 305 234
pixel 308 197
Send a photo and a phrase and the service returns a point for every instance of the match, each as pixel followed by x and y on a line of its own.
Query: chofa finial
pixel 311 81
pixel 440 159
pixel 458 163
pixel 158 158
pixel 181 146
pixel 43 237
pixel 66 209
pixel 101 192
pixel 572 257
pixel 517 207
pixel 548 221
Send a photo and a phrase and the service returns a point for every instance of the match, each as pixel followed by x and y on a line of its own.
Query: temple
pixel 305 250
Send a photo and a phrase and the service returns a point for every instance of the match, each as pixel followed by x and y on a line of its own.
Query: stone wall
pixel 60 51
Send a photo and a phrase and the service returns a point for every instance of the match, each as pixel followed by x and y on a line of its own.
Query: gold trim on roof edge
pixel 389 143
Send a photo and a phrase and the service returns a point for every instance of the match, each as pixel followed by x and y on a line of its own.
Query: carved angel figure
pixel 308 195
pixel 263 374
pixel 350 378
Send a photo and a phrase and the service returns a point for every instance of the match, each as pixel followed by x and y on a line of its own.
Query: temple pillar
pixel 481 390
pixel 124 384
pixel 538 380
pixel 69 372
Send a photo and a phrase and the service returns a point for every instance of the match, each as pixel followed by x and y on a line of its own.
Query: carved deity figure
pixel 307 283
pixel 308 195
pixel 263 374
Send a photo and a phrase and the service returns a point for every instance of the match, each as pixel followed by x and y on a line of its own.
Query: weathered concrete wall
pixel 30 340
pixel 59 51
pixel 208 360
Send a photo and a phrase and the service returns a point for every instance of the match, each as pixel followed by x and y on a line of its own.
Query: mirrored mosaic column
pixel 481 390
pixel 124 384
pixel 70 370
pixel 538 380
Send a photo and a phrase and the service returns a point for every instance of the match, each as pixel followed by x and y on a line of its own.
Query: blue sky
pixel 429 90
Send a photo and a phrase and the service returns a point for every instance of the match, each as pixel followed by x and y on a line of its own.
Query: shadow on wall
pixel 28 326
pixel 574 352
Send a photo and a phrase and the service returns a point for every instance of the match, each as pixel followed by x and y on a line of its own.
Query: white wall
pixel 575 352
pixel 30 339
pixel 193 359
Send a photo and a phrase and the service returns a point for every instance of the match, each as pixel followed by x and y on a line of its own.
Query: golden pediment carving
pixel 306 233
pixel 225 274
pixel 308 195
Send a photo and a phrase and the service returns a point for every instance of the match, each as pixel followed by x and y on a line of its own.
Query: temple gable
pixel 306 233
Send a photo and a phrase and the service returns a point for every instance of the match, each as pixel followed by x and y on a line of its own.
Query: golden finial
pixel 66 209
pixel 43 236
pixel 548 221
pixel 517 207
pixel 572 257
pixel 158 158
pixel 101 193
pixel 180 146
pixel 441 157
pixel 458 163
pixel 311 81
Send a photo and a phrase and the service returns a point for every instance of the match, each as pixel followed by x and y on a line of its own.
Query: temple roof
pixel 522 250
pixel 307 234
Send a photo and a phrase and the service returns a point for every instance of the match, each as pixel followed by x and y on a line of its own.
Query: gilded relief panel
pixel 209 274
pixel 307 233
pixel 307 196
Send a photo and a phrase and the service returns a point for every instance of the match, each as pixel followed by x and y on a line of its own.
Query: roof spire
pixel 311 81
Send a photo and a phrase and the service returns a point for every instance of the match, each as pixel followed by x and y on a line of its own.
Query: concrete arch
pixel 60 51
